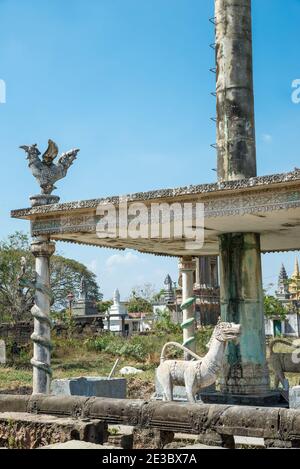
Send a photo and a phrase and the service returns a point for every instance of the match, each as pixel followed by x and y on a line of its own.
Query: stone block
pixel 294 397
pixel 121 441
pixel 90 386
pixel 2 353
pixel 27 431
pixel 151 438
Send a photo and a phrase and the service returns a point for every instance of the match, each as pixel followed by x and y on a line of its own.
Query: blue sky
pixel 128 82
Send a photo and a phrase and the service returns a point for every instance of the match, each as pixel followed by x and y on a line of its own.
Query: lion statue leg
pixel 165 380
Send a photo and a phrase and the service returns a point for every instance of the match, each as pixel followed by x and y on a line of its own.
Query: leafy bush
pixel 116 345
pixel 274 308
pixel 165 324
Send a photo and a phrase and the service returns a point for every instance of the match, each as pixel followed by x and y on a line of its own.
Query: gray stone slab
pixel 200 446
pixel 294 397
pixel 249 441
pixel 77 444
pixel 2 353
pixel 90 386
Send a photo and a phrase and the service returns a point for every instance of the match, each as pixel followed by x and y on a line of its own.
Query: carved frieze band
pixel 258 202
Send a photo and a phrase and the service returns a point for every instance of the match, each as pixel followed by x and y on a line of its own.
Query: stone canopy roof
pixel 269 205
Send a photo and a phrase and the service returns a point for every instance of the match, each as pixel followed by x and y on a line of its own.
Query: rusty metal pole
pixel 245 370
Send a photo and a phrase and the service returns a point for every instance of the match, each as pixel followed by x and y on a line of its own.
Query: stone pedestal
pixel 84 307
pixel 42 249
pixel 267 399
pixel 43 199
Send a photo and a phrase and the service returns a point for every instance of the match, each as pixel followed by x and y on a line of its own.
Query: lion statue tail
pixel 278 341
pixel 181 347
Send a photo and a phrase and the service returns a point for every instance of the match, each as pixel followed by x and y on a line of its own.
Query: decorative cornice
pixel 219 189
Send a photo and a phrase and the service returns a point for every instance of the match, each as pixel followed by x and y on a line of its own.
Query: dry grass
pixel 72 358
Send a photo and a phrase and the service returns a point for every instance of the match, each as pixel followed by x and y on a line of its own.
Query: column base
pixel 245 378
pixel 269 399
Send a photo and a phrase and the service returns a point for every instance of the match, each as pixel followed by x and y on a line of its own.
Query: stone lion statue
pixel 201 372
pixel 282 363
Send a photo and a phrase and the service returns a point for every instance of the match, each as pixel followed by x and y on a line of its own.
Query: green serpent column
pixel 42 249
pixel 187 267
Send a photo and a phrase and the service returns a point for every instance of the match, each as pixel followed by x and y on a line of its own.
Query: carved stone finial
pixel 45 170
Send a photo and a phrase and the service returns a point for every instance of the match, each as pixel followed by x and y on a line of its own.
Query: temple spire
pixel 283 281
pixel 296 272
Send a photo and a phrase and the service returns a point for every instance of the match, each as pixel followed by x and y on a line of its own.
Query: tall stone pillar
pixel 187 267
pixel 241 298
pixel 42 249
pixel 245 370
pixel 235 102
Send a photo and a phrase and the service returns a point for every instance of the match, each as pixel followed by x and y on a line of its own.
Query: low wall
pixel 19 332
pixel 213 423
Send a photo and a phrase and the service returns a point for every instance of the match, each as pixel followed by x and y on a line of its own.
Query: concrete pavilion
pixel 244 216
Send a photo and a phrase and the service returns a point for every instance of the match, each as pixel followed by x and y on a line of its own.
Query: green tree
pixel 273 307
pixel 138 304
pixel 103 306
pixel 15 300
pixel 142 298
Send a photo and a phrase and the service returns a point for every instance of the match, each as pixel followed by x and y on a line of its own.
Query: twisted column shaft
pixel 187 268
pixel 42 249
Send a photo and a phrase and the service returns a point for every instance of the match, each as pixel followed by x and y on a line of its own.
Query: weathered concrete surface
pixel 241 297
pixel 28 431
pixel 90 386
pixel 235 102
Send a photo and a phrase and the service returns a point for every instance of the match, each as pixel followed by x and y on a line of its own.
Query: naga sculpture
pixel 201 372
pixel 44 170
